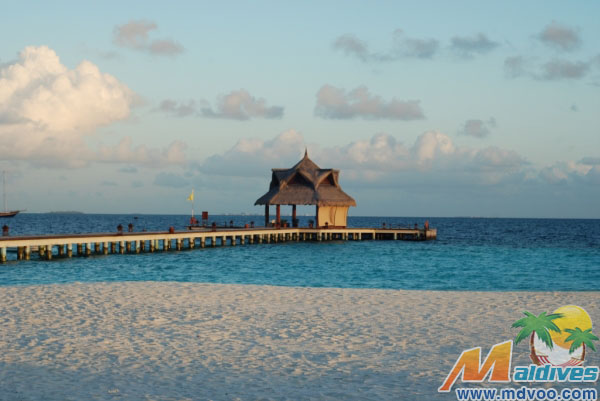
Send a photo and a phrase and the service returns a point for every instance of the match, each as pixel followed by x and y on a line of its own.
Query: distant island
pixel 65 212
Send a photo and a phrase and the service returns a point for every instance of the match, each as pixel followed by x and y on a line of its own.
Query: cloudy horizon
pixel 492 115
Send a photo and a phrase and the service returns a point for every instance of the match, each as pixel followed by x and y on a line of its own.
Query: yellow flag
pixel 191 197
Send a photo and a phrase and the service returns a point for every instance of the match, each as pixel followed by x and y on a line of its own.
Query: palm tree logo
pixel 559 338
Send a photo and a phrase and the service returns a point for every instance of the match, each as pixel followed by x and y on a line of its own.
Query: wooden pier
pixel 65 245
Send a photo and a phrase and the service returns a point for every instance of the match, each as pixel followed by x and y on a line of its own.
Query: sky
pixel 432 108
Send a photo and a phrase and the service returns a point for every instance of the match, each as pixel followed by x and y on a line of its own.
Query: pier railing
pixel 68 245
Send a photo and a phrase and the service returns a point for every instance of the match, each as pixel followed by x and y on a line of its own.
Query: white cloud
pixel 586 170
pixel 49 109
pixel 336 103
pixel 378 159
pixel 241 105
pixel 135 35
pixel 255 157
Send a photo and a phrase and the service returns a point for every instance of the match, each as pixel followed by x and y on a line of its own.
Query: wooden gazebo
pixel 308 184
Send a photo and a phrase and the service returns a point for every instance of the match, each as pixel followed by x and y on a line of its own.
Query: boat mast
pixel 4 188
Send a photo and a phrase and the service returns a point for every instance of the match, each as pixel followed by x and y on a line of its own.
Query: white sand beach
pixel 187 341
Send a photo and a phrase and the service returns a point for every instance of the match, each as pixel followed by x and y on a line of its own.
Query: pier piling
pixel 101 243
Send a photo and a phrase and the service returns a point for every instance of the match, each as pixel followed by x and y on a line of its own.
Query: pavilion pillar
pixel 267 215
pixel 278 218
pixel 294 216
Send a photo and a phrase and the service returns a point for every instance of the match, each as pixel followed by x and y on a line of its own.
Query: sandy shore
pixel 179 341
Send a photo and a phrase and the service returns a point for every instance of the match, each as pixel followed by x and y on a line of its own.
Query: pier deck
pixel 68 245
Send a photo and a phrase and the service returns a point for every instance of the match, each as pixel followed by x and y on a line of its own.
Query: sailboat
pixel 6 212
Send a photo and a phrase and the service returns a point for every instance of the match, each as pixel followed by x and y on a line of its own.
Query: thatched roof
pixel 305 184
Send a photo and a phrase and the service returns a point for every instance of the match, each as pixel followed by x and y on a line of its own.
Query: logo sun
pixel 558 339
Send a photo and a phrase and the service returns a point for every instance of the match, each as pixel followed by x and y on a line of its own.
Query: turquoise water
pixel 470 254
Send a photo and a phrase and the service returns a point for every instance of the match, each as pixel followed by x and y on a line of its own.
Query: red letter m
pixel 498 361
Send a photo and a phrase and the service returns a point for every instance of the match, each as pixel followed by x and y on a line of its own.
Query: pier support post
pixel 79 249
pixel 142 245
pixel 61 249
pixel 152 245
pixel 20 253
pixel 121 247
pixel 88 249
pixel 137 246
pixel 165 244
pixel 251 239
pixel 113 247
pixel 178 244
pixel 213 242
pixel 27 252
pixel 267 215
pixel 233 240
pixel 202 242
pixel 105 248
pixel 395 236
pixel 260 239
pixel 242 240
pixel 3 254
pixel 192 243
pixel 49 252
pixel 69 250
pixel 128 246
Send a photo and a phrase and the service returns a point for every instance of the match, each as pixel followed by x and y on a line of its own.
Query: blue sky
pixel 428 108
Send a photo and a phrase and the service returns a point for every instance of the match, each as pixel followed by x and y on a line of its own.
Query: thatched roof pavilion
pixel 308 184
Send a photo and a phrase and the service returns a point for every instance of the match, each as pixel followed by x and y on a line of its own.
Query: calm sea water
pixel 470 254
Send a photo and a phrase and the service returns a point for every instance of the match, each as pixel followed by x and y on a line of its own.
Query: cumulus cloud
pixel 336 103
pixel 403 46
pixel 432 151
pixel 560 37
pixel 370 160
pixel 468 46
pixel 48 110
pixel 586 171
pixel 478 128
pixel 241 105
pixel 135 35
pixel 256 157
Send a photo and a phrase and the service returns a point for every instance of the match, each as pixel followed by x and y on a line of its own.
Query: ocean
pixel 470 254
